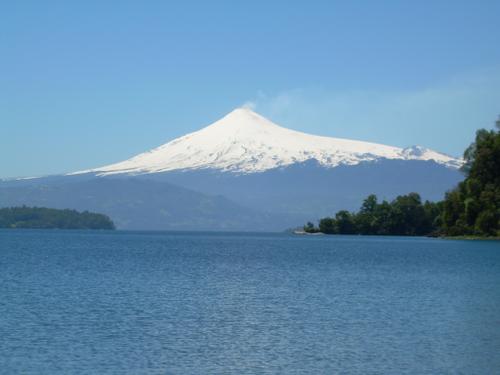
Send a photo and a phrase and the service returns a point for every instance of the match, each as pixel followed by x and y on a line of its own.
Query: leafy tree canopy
pixel 472 208
pixel 50 218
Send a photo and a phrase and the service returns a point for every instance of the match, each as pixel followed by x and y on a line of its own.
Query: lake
pixel 212 303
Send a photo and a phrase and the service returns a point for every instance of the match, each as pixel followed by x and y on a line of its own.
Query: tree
pixel 405 215
pixel 328 225
pixel 365 219
pixel 46 218
pixel 345 222
pixel 310 228
pixel 473 207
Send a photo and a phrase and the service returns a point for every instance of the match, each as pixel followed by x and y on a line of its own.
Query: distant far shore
pixel 468 238
pixel 50 218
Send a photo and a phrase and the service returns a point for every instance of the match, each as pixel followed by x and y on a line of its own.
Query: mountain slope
pixel 241 173
pixel 245 142
pixel 309 190
pixel 138 203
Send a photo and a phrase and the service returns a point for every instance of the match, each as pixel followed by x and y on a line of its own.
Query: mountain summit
pixel 245 142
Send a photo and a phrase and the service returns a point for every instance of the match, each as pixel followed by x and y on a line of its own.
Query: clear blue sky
pixel 87 83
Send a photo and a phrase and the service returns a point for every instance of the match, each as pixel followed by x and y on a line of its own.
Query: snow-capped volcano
pixel 243 172
pixel 246 142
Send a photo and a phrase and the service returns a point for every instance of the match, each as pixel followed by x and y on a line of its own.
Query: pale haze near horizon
pixel 86 85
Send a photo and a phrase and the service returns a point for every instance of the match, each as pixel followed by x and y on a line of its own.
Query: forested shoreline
pixel 471 209
pixel 51 218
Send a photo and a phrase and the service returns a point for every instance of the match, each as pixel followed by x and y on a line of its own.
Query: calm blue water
pixel 164 303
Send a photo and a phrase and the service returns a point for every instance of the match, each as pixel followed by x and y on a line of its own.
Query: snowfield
pixel 246 142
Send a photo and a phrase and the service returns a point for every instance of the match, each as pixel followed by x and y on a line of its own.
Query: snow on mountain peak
pixel 243 118
pixel 245 142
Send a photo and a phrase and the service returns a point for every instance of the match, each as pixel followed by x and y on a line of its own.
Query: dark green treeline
pixel 471 209
pixel 50 218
